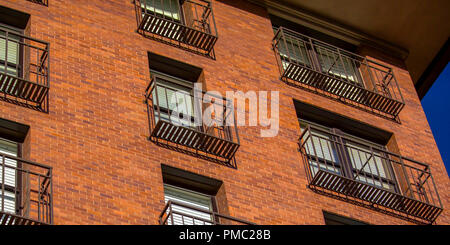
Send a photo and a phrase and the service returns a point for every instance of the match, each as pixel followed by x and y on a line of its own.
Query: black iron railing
pixel 176 213
pixel 373 177
pixel 24 70
pixel 188 24
pixel 42 2
pixel 177 121
pixel 26 192
pixel 320 67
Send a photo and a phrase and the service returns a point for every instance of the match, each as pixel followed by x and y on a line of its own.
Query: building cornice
pixel 330 27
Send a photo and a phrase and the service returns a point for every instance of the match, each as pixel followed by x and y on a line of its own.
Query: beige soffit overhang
pixel 329 27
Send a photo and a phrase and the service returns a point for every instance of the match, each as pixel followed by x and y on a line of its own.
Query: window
pixel 163 8
pixel 10 53
pixel 344 154
pixel 25 186
pixel 338 64
pixel 305 51
pixel 193 208
pixel 175 105
pixel 349 160
pixel 334 219
pixel 192 197
pixel 175 100
pixel 188 24
pixel 294 50
pixel 24 63
pixel 8 198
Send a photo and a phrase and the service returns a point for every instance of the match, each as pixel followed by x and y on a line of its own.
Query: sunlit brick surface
pixel 105 171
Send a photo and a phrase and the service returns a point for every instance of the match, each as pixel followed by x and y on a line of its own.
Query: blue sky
pixel 436 104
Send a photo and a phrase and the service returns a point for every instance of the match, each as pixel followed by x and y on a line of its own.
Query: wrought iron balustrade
pixel 26 192
pixel 310 64
pixel 176 121
pixel 24 70
pixel 188 24
pixel 176 213
pixel 357 172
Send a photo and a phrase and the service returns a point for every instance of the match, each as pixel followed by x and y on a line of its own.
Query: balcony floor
pixel 11 219
pixel 303 77
pixel 220 149
pixel 411 208
pixel 178 32
pixel 21 91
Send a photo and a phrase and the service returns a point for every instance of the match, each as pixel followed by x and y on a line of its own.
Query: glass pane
pixel 338 65
pixel 167 8
pixel 295 50
pixel 322 152
pixel 177 100
pixel 13 48
pixel 374 168
pixel 188 216
pixel 8 200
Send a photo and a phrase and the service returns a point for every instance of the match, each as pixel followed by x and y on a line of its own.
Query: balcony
pixel 176 213
pixel 176 122
pixel 351 171
pixel 41 2
pixel 319 67
pixel 24 70
pixel 26 192
pixel 186 24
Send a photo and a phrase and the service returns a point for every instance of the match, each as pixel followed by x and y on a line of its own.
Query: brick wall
pixel 95 135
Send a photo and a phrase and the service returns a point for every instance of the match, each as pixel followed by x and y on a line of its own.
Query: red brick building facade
pixel 95 135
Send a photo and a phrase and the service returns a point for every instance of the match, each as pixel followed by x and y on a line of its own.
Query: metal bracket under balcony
pixel 176 213
pixel 187 24
pixel 327 70
pixel 353 171
pixel 172 114
pixel 24 70
pixel 25 192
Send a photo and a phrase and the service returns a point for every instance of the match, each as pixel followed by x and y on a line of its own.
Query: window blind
pixel 8 199
pixel 363 157
pixel 320 145
pixel 190 198
pixel 375 165
pixel 9 52
pixel 167 8
pixel 177 99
